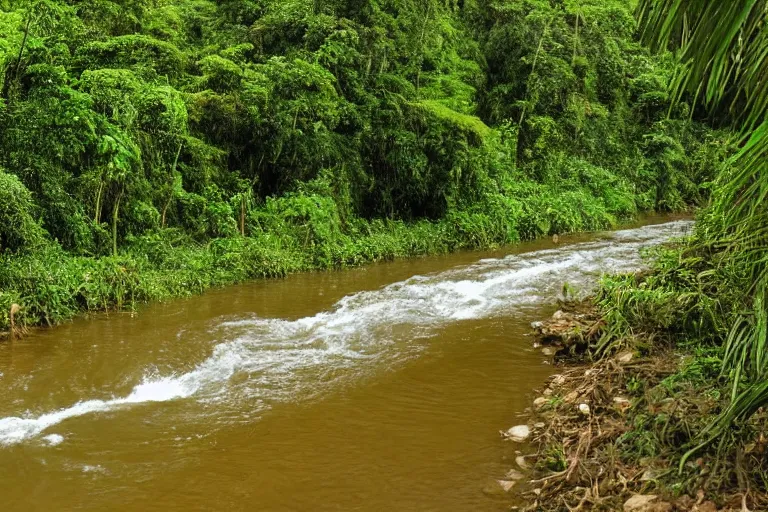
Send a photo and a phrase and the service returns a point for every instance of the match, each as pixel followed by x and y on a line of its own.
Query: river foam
pixel 273 354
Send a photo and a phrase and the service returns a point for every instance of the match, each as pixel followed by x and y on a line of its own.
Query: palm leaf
pixel 723 47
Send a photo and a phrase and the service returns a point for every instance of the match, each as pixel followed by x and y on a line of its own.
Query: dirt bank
pixel 604 435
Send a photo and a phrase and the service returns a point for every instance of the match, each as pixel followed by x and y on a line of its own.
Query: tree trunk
pixel 533 67
pixel 421 47
pixel 97 213
pixel 242 215
pixel 115 212
pixel 165 209
pixel 525 104
pixel 575 41
pixel 27 26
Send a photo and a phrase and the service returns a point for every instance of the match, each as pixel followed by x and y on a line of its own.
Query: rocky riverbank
pixel 608 434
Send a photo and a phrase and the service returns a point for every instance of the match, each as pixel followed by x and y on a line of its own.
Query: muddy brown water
pixel 377 388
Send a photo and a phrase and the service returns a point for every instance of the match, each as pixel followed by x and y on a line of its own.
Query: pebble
pixel 540 402
pixel 649 475
pixel 518 434
pixel 639 502
pixel 584 409
pixel 506 485
pixel 514 474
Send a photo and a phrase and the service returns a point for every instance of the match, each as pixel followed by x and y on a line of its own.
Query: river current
pixel 382 387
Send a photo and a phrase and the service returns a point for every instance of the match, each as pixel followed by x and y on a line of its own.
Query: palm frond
pixel 723 46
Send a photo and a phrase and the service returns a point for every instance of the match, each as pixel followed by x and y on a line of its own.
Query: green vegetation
pixel 150 148
pixel 707 297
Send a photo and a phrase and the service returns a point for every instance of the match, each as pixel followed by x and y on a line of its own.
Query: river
pixel 376 388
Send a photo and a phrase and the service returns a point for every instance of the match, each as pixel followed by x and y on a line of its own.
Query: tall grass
pixel 293 235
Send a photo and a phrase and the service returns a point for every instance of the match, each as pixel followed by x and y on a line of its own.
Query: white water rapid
pixel 276 358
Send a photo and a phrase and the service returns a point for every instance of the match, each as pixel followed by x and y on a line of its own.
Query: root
pixel 586 499
pixel 595 473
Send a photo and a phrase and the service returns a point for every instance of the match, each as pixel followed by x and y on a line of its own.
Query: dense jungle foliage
pixel 709 295
pixel 153 148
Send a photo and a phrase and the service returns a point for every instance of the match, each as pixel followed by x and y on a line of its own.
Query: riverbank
pixel 52 286
pixel 205 144
pixel 614 434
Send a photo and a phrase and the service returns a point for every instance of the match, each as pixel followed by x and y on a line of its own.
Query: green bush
pixel 18 228
pixel 198 143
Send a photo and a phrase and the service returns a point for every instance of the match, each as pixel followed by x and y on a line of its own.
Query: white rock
pixel 584 409
pixel 518 434
pixel 514 475
pixel 506 484
pixel 558 315
pixel 520 461
pixel 540 402
pixel 548 351
pixel 558 380
pixel 625 357
pixel 537 325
